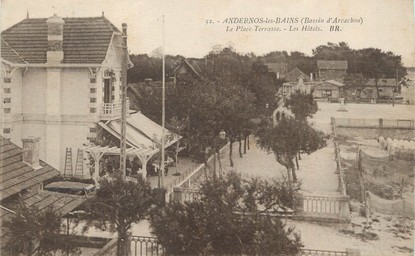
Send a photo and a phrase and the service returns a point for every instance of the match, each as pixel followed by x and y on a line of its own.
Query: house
pixel 386 88
pixel 330 89
pixel 331 69
pixel 189 67
pixel 22 176
pixel 60 77
pixel 298 80
pixel 295 74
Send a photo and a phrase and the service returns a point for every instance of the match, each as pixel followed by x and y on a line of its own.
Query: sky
pixel 193 27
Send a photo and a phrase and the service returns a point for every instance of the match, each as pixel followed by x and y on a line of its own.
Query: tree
pixel 302 105
pixel 37 232
pixel 230 218
pixel 289 138
pixel 120 203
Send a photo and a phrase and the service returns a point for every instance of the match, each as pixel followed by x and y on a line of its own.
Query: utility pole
pixel 163 110
pixel 123 146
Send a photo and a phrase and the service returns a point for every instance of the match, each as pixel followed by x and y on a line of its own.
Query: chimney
pixel 31 152
pixel 54 54
pixel 124 29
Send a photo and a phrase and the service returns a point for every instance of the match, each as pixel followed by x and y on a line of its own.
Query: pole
pixel 163 111
pixel 123 145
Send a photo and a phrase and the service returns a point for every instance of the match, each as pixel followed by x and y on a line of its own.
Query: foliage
pixel 289 138
pixel 302 105
pixel 36 232
pixel 228 219
pixel 118 204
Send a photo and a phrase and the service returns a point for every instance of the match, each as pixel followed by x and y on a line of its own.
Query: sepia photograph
pixel 207 128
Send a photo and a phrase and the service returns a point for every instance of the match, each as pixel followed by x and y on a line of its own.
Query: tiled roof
pixel 16 175
pixel 9 54
pixel 85 40
pixel 332 64
pixel 295 74
pixel 62 203
pixel 389 82
pixel 191 65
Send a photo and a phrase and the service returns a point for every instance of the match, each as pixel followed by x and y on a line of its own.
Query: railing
pixel 186 194
pixel 310 252
pixel 145 246
pixel 374 123
pixel 322 205
pixel 112 110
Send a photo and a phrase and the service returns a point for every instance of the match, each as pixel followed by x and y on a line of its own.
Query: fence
pixel 149 246
pixel 374 123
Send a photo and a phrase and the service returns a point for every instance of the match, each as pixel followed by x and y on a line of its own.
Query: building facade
pixel 331 69
pixel 60 76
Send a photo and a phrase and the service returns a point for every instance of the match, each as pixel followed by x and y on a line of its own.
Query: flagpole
pixel 123 143
pixel 163 111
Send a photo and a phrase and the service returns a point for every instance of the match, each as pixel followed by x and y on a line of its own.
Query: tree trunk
pixel 377 88
pixel 299 156
pixel 220 165
pixel 122 245
pixel 293 171
pixel 245 144
pixel 296 161
pixel 248 142
pixel 240 145
pixel 230 153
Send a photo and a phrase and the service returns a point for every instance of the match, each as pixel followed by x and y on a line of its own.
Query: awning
pixel 141 132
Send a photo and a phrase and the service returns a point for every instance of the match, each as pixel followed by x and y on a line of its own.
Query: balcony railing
pixel 112 110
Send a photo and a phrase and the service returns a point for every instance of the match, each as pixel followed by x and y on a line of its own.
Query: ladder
pixel 79 166
pixel 68 163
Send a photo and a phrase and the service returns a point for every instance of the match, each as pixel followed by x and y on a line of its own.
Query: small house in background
pixel 386 88
pixel 189 68
pixel 295 75
pixel 298 80
pixel 330 89
pixel 331 69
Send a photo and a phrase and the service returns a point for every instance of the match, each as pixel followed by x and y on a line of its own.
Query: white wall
pixel 75 91
pixel 34 91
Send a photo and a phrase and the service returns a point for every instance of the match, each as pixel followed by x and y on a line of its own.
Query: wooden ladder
pixel 79 166
pixel 68 163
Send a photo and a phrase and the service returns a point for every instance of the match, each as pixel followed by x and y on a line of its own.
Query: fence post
pixel 128 243
pixel 298 202
pixel 177 194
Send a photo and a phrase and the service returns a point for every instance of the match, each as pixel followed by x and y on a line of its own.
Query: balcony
pixel 111 111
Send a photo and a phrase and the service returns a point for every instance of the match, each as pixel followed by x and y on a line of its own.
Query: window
pixel 6 130
pixel 7 110
pixel 7 80
pixel 326 93
pixel 92 130
pixel 92 110
pixel 93 80
pixel 7 100
pixel 380 90
pixel 92 90
pixel 92 100
pixel 7 90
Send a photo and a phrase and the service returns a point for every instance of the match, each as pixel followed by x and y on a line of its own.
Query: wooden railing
pixel 323 205
pixel 112 110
